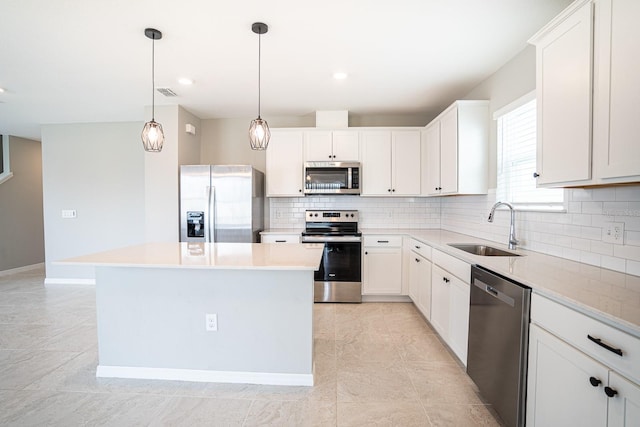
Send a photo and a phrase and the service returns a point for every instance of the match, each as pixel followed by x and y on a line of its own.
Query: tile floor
pixel 376 364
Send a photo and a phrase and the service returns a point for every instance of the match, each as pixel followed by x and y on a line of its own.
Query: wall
pixel 21 224
pixel 98 170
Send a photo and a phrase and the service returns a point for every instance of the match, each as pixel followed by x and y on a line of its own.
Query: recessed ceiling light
pixel 340 75
pixel 185 81
pixel 1 90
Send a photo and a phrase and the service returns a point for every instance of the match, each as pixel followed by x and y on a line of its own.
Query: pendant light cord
pixel 153 77
pixel 259 62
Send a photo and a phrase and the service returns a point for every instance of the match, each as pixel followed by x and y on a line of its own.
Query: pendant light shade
pixel 259 133
pixel 152 134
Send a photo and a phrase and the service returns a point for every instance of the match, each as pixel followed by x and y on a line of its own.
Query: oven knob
pixel 316 214
pixel 352 215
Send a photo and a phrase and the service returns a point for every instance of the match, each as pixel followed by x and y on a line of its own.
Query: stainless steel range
pixel 339 276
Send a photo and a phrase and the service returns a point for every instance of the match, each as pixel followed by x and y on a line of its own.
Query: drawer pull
pixel 417 247
pixel 608 347
pixel 610 392
pixel 281 241
pixel 594 381
pixel 383 241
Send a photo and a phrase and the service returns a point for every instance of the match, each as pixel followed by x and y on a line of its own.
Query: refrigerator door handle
pixel 212 214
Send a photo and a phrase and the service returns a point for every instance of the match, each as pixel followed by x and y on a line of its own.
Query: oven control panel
pixel 331 216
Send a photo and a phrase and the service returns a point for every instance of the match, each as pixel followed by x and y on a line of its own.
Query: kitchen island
pixel 220 312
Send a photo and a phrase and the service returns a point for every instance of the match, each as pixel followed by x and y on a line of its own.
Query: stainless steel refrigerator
pixel 221 203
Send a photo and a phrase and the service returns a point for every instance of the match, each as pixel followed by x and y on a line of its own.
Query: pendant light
pixel 152 134
pixel 259 133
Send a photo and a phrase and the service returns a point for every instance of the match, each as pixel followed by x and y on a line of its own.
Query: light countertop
pixel 608 295
pixel 247 256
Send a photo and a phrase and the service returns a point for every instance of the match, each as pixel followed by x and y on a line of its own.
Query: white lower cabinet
pixel 420 277
pixel 574 381
pixel 450 293
pixel 440 296
pixel 382 265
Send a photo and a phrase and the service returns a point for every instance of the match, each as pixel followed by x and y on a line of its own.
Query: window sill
pixel 6 177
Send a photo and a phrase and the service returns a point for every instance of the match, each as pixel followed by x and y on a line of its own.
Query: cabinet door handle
pixel 417 247
pixel 389 190
pixel 383 241
pixel 605 345
pixel 610 392
pixel 445 280
pixel 594 381
pixel 417 260
pixel 536 174
pixel 366 253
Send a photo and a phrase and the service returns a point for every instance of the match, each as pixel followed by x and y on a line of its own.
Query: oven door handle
pixel 325 239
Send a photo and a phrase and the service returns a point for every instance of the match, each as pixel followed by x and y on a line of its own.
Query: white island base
pixel 152 323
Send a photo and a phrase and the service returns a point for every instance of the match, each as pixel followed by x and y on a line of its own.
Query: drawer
pixel 382 240
pixel 280 238
pixel 575 327
pixel 453 265
pixel 420 248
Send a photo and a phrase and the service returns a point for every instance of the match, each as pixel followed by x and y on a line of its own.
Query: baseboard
pixel 21 269
pixel 386 298
pixel 52 281
pixel 195 375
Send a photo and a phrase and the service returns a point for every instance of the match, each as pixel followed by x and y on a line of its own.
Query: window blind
pixel 517 161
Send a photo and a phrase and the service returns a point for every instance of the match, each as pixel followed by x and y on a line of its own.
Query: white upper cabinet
pixel 587 95
pixel 617 90
pixel 431 159
pixel 456 150
pixel 284 164
pixel 331 146
pixel 391 163
pixel 563 85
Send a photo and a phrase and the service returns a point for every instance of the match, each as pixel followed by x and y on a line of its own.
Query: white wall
pixel 96 169
pixel 21 225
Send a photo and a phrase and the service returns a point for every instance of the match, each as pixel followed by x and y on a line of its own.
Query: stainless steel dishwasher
pixel 498 342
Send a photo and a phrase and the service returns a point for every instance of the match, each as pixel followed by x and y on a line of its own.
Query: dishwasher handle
pixel 494 292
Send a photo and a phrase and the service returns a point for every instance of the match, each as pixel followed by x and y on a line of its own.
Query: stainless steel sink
pixel 482 250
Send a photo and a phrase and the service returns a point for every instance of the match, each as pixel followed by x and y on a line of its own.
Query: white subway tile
pixel 612 263
pixel 602 248
pixel 627 252
pixel 592 207
pixel 633 267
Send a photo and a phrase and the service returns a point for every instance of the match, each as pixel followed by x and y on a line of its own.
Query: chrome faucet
pixel 513 242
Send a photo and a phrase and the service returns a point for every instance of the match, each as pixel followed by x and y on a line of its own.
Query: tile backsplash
pixel 575 234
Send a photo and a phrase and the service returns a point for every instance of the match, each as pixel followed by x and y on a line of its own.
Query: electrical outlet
pixel 211 322
pixel 69 213
pixel 613 232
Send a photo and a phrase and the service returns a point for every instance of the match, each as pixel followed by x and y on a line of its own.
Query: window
pixel 517 159
pixel 5 171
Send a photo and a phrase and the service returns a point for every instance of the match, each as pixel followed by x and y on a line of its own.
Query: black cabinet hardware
pixel 281 241
pixel 610 392
pixel 605 345
pixel 417 260
pixel 536 174
pixel 383 241
pixel 594 381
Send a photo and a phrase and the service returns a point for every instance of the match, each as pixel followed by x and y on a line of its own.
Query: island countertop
pixel 234 256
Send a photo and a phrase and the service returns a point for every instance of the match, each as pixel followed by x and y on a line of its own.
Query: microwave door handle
pixel 349 174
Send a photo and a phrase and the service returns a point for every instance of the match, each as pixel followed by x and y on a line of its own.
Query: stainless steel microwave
pixel 332 178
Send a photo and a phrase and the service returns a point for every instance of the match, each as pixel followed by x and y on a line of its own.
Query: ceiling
pixel 69 61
